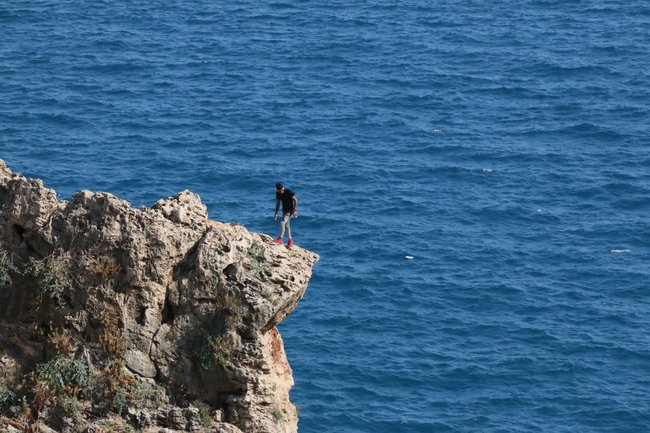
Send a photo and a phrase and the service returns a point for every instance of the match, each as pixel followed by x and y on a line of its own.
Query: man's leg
pixel 286 221
pixel 282 224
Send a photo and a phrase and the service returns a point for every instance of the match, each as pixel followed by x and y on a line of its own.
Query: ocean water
pixel 503 145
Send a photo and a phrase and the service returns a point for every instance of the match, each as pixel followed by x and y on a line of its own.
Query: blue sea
pixel 504 145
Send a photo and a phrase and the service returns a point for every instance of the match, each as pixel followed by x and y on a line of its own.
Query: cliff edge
pixel 152 319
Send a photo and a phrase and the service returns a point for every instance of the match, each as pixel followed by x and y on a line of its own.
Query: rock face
pixel 179 303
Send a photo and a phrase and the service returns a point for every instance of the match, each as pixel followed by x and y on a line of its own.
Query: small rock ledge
pixel 153 319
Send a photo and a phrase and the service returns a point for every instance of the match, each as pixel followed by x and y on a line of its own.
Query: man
pixel 289 209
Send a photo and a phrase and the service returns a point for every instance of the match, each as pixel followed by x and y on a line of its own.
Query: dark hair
pixel 279 185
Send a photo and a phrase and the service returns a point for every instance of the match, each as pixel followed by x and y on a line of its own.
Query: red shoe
pixel 290 244
pixel 278 240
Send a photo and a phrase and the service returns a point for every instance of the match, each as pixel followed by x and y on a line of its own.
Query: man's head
pixel 279 187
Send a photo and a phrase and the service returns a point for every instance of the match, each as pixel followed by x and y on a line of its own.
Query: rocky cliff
pixel 152 319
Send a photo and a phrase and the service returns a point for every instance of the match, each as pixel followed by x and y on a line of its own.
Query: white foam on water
pixel 620 251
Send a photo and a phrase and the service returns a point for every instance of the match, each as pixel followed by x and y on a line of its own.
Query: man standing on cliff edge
pixel 289 209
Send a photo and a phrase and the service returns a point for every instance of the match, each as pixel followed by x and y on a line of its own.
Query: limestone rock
pixel 188 303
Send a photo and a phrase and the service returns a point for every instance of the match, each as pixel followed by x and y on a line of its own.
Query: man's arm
pixel 295 204
pixel 277 208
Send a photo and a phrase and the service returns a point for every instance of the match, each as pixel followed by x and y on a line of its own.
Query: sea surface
pixel 504 145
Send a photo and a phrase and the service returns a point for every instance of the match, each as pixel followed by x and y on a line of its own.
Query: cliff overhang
pixel 150 318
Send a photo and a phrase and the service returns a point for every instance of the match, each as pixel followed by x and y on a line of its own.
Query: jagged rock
pixel 140 363
pixel 223 427
pixel 138 417
pixel 42 428
pixel 9 429
pixel 190 303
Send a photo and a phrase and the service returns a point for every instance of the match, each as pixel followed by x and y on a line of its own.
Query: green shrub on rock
pixel 215 351
pixel 52 274
pixel 278 415
pixel 120 401
pixel 7 268
pixel 204 412
pixel 65 376
pixel 7 398
pixel 142 394
pixel 70 406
